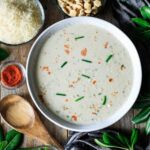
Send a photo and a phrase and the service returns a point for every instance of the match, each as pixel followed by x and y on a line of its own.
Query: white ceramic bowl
pixel 31 66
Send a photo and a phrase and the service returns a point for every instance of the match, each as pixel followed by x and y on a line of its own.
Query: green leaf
pixel 108 139
pixel 3 54
pixel 141 22
pixel 14 139
pixel 145 12
pixel 102 144
pixel 11 134
pixel 123 139
pixel 145 34
pixel 3 145
pixel 142 116
pixel 148 126
pixel 142 104
pixel 1 134
pixel 134 137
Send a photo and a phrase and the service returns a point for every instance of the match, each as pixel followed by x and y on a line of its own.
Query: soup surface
pixel 84 74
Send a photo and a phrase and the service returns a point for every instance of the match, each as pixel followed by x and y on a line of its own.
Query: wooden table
pixel 20 53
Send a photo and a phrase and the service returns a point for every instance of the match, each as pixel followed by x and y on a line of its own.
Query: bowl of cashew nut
pixel 74 8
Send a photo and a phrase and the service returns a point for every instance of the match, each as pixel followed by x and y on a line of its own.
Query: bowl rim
pixel 124 108
pixel 39 30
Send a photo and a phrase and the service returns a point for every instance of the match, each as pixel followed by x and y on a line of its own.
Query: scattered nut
pixel 80 7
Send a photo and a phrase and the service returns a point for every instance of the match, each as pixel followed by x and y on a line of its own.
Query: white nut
pixel 88 1
pixel 87 5
pixel 81 13
pixel 97 3
pixel 73 13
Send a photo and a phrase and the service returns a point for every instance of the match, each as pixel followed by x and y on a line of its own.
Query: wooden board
pixel 20 53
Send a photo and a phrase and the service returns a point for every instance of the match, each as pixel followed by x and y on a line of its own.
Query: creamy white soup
pixel 84 74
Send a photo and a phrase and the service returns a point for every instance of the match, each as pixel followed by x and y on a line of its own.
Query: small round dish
pixel 40 29
pixel 92 15
pixel 20 67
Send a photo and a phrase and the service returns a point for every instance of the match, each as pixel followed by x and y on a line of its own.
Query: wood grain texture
pixel 20 53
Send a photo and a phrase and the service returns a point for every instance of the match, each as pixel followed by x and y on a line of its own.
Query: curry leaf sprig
pixel 118 141
pixel 144 115
pixel 143 24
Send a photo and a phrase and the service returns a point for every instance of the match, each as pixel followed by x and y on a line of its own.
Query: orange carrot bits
pixel 74 118
pixel 84 52
pixel 66 46
pixel 94 81
pixel 106 45
pixel 67 51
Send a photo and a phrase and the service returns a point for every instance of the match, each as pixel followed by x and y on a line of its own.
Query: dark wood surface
pixel 20 53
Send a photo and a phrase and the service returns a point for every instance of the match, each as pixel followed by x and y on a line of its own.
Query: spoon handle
pixel 42 133
pixel 49 140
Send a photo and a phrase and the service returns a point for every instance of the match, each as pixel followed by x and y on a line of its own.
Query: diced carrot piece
pixel 74 117
pixel 66 46
pixel 94 82
pixel 84 52
pixel 106 45
pixel 67 51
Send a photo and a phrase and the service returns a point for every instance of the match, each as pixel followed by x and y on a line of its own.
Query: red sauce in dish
pixel 11 75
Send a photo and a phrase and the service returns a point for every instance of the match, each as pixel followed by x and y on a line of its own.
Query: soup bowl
pixel 32 83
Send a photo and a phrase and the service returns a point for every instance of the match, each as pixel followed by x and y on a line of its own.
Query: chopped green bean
pixel 83 75
pixel 85 60
pixel 109 57
pixel 60 94
pixel 80 98
pixel 79 37
pixel 104 99
pixel 64 64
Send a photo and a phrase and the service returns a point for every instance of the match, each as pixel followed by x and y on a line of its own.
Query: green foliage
pixel 118 140
pixel 143 103
pixel 12 140
pixel 1 134
pixel 143 24
pixel 3 54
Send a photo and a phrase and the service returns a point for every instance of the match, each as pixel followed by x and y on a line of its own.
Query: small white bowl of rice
pixel 20 21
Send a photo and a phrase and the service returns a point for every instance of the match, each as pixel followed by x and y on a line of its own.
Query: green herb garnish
pixel 14 139
pixel 142 24
pixel 85 60
pixel 104 99
pixel 3 54
pixel 1 134
pixel 117 140
pixel 79 37
pixel 83 75
pixel 64 64
pixel 109 57
pixel 60 94
pixel 78 99
pixel 143 116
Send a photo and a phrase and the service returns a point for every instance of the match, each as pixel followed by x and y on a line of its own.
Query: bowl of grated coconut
pixel 20 21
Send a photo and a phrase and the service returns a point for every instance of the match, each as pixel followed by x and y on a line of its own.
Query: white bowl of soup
pixel 83 74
